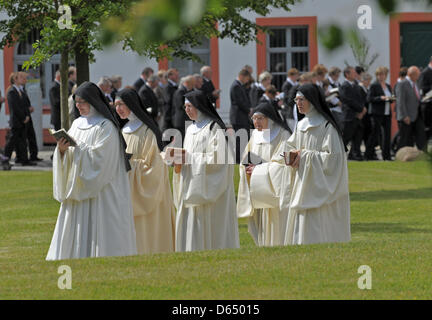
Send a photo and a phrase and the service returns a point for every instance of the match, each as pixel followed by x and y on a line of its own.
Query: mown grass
pixel 391 215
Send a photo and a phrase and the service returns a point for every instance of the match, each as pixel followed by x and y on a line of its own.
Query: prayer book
pixel 289 161
pixel 427 97
pixel 62 134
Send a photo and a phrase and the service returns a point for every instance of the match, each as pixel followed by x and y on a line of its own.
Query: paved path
pixel 45 165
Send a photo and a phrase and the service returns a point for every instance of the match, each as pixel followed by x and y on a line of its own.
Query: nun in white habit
pixel 318 200
pixel 256 199
pixel 90 181
pixel 204 189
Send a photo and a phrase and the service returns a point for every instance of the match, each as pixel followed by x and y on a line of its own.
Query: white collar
pixel 332 81
pixel 84 123
pixel 196 127
pixel 410 81
pixel 172 82
pixel 17 87
pixel 261 86
pixel 290 81
pixel 265 96
pixel 312 119
pixel 57 81
pixel 132 126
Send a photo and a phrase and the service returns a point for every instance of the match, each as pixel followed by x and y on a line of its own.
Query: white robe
pixel 258 198
pixel 318 197
pixel 204 193
pixel 91 182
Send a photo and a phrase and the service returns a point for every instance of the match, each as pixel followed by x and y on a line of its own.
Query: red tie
pixel 416 92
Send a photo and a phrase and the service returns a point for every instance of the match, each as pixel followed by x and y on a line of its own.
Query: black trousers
pixel 378 122
pixel 17 140
pixel 352 132
pixel 415 129
pixel 31 138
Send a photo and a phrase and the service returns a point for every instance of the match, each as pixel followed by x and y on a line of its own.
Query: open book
pixel 427 97
pixel 62 134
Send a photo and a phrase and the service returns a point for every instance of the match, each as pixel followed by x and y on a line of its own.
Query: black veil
pixel 315 96
pixel 134 103
pixel 200 101
pixel 95 97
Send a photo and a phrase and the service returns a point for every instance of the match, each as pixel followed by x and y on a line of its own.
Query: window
pixel 287 47
pixel 187 67
pixel 45 73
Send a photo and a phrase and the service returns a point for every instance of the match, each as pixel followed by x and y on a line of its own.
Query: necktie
pixel 416 91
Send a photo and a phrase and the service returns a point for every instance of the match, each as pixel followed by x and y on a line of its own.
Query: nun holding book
pixel 203 187
pixel 256 198
pixel 154 212
pixel 90 181
pixel 318 201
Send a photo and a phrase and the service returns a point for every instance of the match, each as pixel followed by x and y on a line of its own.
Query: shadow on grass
pixel 385 227
pixel 422 193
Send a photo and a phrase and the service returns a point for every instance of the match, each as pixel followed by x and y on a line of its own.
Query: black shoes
pixel 36 159
pixel 28 163
pixel 6 165
pixel 355 157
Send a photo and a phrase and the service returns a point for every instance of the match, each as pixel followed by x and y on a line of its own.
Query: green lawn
pixel 391 214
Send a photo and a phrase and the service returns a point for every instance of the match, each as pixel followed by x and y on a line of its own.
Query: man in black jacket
pixel 425 84
pixel 353 109
pixel 208 87
pixel 148 97
pixel 145 74
pixel 19 117
pixel 30 131
pixel 168 113
pixel 54 96
pixel 240 108
pixel 180 117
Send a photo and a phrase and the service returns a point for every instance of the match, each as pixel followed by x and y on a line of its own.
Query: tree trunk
pixel 82 64
pixel 64 95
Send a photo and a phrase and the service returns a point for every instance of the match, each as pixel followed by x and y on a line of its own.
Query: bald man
pixel 411 126
pixel 207 87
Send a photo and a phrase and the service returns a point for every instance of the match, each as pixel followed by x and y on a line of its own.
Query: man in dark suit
pixel 148 97
pixel 291 81
pixel 408 111
pixel 116 84
pixel 353 110
pixel 240 108
pixel 425 84
pixel 168 113
pixel 54 96
pixel 30 131
pixel 19 117
pixel 145 74
pixel 187 84
pixel 207 87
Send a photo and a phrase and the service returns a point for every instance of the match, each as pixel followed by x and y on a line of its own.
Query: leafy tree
pixel 72 35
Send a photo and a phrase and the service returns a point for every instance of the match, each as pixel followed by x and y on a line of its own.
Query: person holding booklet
pixel 308 176
pixel 203 188
pixel 266 223
pixel 318 201
pixel 153 207
pixel 91 183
